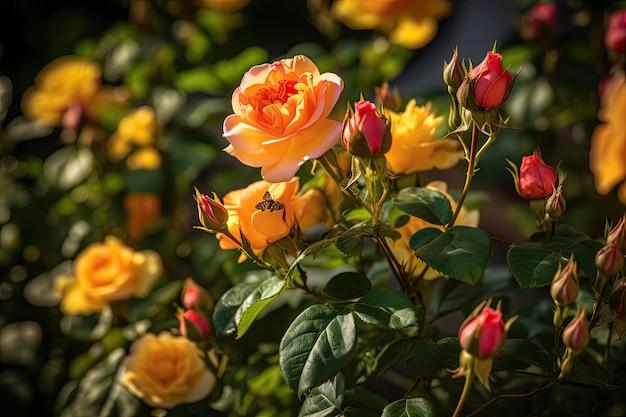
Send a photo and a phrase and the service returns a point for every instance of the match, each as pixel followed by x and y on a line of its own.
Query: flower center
pixel 276 94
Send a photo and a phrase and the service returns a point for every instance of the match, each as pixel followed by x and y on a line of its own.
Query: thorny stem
pixel 396 267
pixel 471 169
pixel 323 160
pixel 469 378
pixel 520 395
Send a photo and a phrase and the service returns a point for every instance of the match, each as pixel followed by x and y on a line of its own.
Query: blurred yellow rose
pixel 412 265
pixel 312 209
pixel 280 119
pixel 260 227
pixel 224 5
pixel 107 272
pixel 413 147
pixel 67 89
pixel 607 156
pixel 142 210
pixel 138 135
pixel 166 370
pixel 408 23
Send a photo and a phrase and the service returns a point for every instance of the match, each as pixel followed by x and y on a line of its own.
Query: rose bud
pixel 536 178
pixel 617 235
pixel 576 333
pixel 617 297
pixel 610 260
pixel 555 205
pixel 365 133
pixel 389 99
pixel 487 85
pixel 193 325
pixel 564 287
pixel 194 296
pixel 483 335
pixel 213 215
pixel 453 73
pixel 540 21
pixel 615 36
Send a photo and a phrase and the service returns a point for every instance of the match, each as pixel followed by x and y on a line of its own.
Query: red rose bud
pixel 617 297
pixel 193 325
pixel 617 235
pixel 487 85
pixel 536 179
pixel 193 296
pixel 540 21
pixel 610 260
pixel 453 73
pixel 615 36
pixel 365 133
pixel 387 98
pixel 213 215
pixel 576 333
pixel 564 287
pixel 484 335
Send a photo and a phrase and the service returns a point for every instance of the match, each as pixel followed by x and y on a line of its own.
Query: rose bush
pixel 280 118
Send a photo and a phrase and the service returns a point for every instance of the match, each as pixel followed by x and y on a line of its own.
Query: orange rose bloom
pixel 607 156
pixel 107 272
pixel 280 117
pixel 166 370
pixel 413 147
pixel 406 255
pixel 142 209
pixel 408 23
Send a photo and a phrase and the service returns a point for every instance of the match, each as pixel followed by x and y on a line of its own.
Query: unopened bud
pixel 194 296
pixel 366 134
pixel 617 297
pixel 453 73
pixel 387 98
pixel 617 235
pixel 576 333
pixel 483 333
pixel 610 260
pixel 555 204
pixel 212 214
pixel 564 287
pixel 193 325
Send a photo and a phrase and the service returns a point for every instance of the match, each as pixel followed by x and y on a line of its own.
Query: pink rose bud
pixel 212 214
pixel 615 36
pixel 536 179
pixel 365 132
pixel 576 333
pixel 564 287
pixel 540 21
pixel 487 86
pixel 610 260
pixel 617 297
pixel 193 296
pixel 617 235
pixel 389 98
pixel 193 325
pixel 484 335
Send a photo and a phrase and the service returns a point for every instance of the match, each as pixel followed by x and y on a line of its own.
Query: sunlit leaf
pixel 324 400
pixel 425 203
pixel 411 407
pixel 386 309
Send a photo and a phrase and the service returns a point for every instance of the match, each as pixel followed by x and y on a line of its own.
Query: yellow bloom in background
pixel 142 210
pixel 412 265
pixel 260 227
pixel 107 272
pixel 166 370
pixel 409 23
pixel 224 5
pixel 312 209
pixel 66 82
pixel 413 147
pixel 607 156
pixel 138 135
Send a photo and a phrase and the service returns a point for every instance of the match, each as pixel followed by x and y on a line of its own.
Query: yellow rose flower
pixel 607 156
pixel 280 117
pixel 144 158
pixel 166 370
pixel 64 82
pixel 312 209
pixel 412 265
pixel 409 23
pixel 138 129
pixel 413 147
pixel 260 227
pixel 107 272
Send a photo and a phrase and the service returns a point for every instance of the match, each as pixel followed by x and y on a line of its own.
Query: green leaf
pixel 461 252
pixel 324 400
pixel 316 346
pixel 228 316
pixel 520 354
pixel 449 351
pixel 411 407
pixel 425 203
pixel 386 309
pixel 347 286
pixel 424 356
pixel 587 371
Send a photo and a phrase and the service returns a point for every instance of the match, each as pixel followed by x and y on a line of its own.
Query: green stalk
pixel 471 169
pixel 469 378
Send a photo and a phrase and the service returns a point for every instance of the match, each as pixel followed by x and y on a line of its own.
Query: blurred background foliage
pixel 58 195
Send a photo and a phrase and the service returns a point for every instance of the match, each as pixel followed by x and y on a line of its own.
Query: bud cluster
pixel 193 317
pixel 610 258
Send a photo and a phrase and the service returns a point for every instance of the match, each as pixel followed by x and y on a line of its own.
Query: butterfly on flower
pixel 269 203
